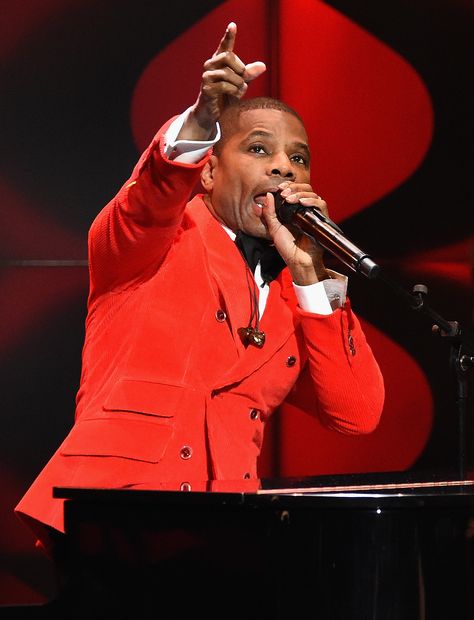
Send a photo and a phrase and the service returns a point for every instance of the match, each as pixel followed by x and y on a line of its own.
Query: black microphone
pixel 315 224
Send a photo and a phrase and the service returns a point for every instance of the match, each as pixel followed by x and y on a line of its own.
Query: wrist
pixel 198 127
pixel 304 276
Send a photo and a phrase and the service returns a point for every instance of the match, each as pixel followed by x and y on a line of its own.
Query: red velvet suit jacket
pixel 168 392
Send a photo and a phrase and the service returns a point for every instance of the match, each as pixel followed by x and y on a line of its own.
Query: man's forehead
pixel 270 122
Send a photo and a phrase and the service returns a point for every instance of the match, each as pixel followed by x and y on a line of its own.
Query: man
pixel 188 351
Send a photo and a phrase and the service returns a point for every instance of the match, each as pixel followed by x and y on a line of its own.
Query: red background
pixel 386 94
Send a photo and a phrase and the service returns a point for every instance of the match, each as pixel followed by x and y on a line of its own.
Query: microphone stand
pixel 461 355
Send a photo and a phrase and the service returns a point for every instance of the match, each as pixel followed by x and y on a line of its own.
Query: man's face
pixel 268 148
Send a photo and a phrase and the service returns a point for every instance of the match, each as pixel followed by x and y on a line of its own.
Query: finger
pixel 306 198
pixel 319 203
pixel 227 42
pixel 224 60
pixel 291 187
pixel 223 75
pixel 253 70
pixel 221 88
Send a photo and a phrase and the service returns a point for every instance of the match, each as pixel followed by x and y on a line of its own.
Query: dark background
pixel 386 91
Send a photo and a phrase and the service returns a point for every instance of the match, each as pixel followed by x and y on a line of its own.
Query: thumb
pixel 253 70
pixel 272 224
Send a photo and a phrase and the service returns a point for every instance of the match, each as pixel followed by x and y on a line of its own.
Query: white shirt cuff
pixel 186 151
pixel 323 297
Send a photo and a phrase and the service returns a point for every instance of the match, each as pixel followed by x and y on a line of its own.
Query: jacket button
pixel 254 414
pixel 186 452
pixel 220 316
pixel 291 361
pixel 185 486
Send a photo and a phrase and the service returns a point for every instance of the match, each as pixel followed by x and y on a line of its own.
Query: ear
pixel 207 174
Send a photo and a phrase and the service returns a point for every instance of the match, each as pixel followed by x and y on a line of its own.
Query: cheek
pixel 303 176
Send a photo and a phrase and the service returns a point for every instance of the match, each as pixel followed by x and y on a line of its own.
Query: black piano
pixel 372 547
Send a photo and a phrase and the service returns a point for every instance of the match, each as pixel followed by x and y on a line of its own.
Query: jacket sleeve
pixel 130 237
pixel 342 382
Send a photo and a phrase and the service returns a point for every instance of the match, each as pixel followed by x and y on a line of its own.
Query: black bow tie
pixel 254 250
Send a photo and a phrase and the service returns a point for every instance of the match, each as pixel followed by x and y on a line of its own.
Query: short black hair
pixel 229 120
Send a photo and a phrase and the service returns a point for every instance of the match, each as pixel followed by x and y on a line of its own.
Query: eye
pixel 259 149
pixel 299 159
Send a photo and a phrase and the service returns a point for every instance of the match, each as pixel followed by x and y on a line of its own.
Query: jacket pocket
pixel 145 397
pixel 140 440
pixel 136 422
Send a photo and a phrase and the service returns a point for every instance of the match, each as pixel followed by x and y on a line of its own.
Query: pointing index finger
pixel 227 42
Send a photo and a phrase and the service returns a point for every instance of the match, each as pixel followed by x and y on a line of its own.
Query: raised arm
pixel 225 78
pixel 131 236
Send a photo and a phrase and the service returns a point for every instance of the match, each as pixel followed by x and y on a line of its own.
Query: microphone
pixel 316 225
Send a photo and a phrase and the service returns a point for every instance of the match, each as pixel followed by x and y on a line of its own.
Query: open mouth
pixel 260 200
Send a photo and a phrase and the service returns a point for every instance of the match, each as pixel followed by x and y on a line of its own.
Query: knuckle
pixel 211 63
pixel 207 76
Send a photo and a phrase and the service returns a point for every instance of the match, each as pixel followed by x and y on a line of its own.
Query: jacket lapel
pixel 232 277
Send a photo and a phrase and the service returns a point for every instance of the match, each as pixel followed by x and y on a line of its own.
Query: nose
pixel 282 166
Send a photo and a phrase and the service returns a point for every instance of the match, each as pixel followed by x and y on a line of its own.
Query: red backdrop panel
pixel 368 112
